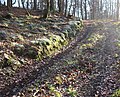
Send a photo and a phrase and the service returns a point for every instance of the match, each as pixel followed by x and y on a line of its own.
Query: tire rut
pixel 30 75
pixel 105 82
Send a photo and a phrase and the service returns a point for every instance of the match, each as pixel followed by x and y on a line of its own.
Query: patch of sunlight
pixel 71 91
pixel 116 23
pixel 116 55
pixel 54 91
pixel 69 62
pixel 116 93
pixel 72 62
pixel 117 43
pixel 95 37
pixel 85 46
pixel 92 40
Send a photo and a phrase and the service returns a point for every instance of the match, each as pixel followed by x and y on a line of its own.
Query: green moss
pixel 56 41
pixel 9 61
pixel 76 25
pixel 18 48
pixel 116 93
pixel 48 45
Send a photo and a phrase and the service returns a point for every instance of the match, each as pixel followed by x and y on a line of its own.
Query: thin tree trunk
pixel 75 7
pixel 93 9
pixel 52 6
pixel 62 6
pixel 101 8
pixel 70 7
pixel 117 9
pixel 9 4
pixel 85 6
pixel 31 4
pixel 35 4
pixel 59 5
pixel 66 6
pixel 19 3
pixel 22 1
pixel 47 11
pixel 81 4
pixel 27 4
pixel 78 5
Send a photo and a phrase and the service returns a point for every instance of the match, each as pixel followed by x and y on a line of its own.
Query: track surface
pixel 100 78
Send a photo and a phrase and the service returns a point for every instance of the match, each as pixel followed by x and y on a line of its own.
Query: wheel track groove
pixel 31 75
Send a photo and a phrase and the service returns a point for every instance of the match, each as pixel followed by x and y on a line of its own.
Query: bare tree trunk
pixel 93 10
pixel 66 6
pixel 85 7
pixel 23 1
pixel 47 11
pixel 70 7
pixel 112 12
pixel 35 4
pixel 0 3
pixel 98 10
pixel 75 8
pixel 101 8
pixel 61 6
pixel 78 7
pixel 52 6
pixel 31 4
pixel 118 9
pixel 18 3
pixel 27 4
pixel 9 4
pixel 41 4
pixel 81 8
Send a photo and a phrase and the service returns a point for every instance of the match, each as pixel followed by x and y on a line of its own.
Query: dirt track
pixel 97 67
pixel 26 75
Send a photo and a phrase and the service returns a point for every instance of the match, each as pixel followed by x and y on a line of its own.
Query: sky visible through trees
pixel 85 9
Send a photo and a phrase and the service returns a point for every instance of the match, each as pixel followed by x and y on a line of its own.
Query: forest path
pixel 89 68
pixel 106 73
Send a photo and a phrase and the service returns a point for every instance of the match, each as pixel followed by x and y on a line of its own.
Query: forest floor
pixel 88 67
